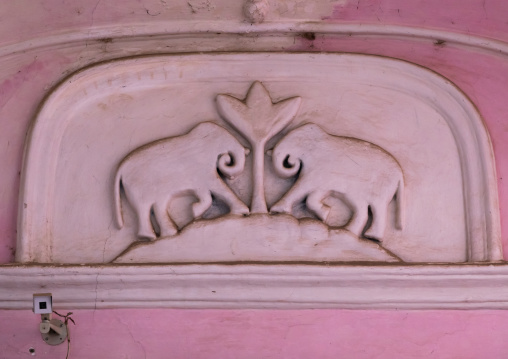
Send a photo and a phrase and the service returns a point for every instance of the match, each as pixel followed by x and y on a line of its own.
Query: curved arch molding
pixel 218 33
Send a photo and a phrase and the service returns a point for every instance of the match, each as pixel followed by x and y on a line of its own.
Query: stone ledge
pixel 275 286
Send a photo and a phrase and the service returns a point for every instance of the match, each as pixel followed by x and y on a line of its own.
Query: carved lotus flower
pixel 258 119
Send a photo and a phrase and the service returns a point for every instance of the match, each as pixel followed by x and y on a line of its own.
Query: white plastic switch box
pixel 43 303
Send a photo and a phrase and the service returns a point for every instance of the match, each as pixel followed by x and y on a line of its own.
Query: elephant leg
pixel 377 228
pixel 285 204
pixel 223 192
pixel 360 217
pixel 166 225
pixel 315 204
pixel 145 229
pixel 204 202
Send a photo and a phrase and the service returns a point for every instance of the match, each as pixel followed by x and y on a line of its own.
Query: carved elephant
pixel 152 175
pixel 359 173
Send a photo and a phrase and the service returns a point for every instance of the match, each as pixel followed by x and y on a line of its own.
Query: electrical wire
pixel 67 317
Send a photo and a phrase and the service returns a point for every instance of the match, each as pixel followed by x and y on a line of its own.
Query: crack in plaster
pixel 96 293
pixel 132 336
pixel 92 22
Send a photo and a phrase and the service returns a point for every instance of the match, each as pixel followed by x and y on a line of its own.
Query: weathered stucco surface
pixel 256 334
pixel 30 70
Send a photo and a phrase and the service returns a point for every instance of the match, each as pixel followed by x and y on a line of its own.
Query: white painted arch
pixel 35 232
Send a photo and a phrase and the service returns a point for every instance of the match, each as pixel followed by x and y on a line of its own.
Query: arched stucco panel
pixel 98 115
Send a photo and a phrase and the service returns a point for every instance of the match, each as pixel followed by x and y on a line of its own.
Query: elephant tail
pixel 400 201
pixel 118 201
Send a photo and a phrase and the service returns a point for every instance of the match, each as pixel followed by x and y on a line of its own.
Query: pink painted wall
pixel 225 334
pixel 27 76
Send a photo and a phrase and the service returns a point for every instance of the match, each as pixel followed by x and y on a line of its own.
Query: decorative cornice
pixel 258 286
pixel 216 29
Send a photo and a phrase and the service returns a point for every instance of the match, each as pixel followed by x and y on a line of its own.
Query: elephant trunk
pixel 232 163
pixel 285 164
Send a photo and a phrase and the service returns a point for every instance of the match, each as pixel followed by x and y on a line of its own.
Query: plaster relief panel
pixel 258 158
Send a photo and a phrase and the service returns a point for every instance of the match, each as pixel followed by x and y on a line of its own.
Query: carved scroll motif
pixel 360 174
pixel 258 120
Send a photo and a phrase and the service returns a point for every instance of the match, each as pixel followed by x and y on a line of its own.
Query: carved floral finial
pixel 256 10
pixel 258 119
